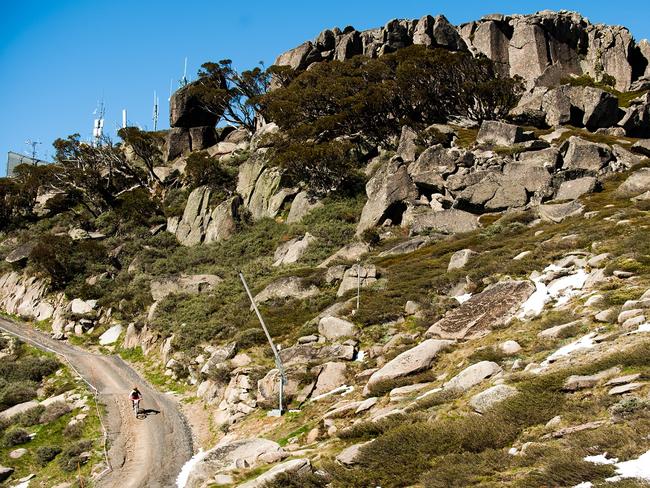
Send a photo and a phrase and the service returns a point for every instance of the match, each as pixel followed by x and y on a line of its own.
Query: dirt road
pixel 145 452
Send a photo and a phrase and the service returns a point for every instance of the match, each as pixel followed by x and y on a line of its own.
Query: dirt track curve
pixel 146 452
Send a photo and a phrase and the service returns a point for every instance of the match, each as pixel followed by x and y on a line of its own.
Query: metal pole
pixel 278 361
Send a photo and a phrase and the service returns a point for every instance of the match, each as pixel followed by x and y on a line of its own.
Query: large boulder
pixel 584 155
pixel 635 184
pixel 494 307
pixel 302 204
pixel 472 376
pixel 557 212
pixel 11 412
pixel 499 133
pixel 177 143
pixel 306 353
pixel 331 376
pixel 187 108
pixel 452 221
pixel 482 402
pixel 387 191
pixel 414 360
pixel 636 120
pixel 460 259
pixel 357 276
pixel 334 328
pixel 572 189
pixel 580 106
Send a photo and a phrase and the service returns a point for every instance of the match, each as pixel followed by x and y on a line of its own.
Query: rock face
pixel 301 206
pixel 201 224
pixel 542 48
pixel 493 307
pixel 290 287
pixel 356 275
pixel 636 121
pixel 187 110
pixel 335 328
pixel 412 361
pixel 585 155
pixel 332 375
pixel 261 187
pixel 228 456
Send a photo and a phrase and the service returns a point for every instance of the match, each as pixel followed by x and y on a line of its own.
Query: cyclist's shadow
pixel 143 413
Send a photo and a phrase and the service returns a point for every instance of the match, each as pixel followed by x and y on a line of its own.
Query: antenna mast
pixel 98 125
pixel 33 144
pixel 183 81
pixel 155 111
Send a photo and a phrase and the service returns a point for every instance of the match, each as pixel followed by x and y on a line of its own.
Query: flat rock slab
pixel 472 376
pixel 493 307
pixel 622 389
pixel 621 380
pixel 483 401
pixel 350 454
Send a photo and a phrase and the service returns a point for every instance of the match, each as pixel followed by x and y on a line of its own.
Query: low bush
pixel 293 480
pixel 74 431
pixel 45 454
pixel 70 457
pixel 466 469
pixel 15 437
pixel 17 392
pixel 30 417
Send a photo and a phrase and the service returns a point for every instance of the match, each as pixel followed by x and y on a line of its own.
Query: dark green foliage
pixel 15 437
pixel 250 337
pixel 54 411
pixel 465 469
pixel 562 468
pixel 16 392
pixel 63 260
pixel 69 459
pixel 486 354
pixel 223 90
pixel 45 454
pixel 201 169
pixel 146 146
pixel 334 113
pixel 30 417
pixel 136 208
pixel 28 368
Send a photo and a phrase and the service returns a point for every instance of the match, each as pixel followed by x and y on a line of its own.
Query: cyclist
pixel 135 396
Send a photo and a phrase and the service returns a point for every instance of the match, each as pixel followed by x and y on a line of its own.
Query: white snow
pixel 585 342
pixel 183 476
pixel 584 484
pixel 463 298
pixel 532 307
pixel 634 468
pixel 601 459
pixel 361 355
pixel 561 290
pixel 642 328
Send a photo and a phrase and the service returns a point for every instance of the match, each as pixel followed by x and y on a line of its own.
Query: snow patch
pixel 184 475
pixel 463 298
pixel 361 355
pixel 634 468
pixel 585 342
pixel 532 307
pixel 561 290
pixel 601 459
pixel 642 328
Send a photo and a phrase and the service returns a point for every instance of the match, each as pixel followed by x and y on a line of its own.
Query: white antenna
pixel 29 142
pixel 183 81
pixel 98 124
pixel 155 111
pixel 123 118
pixel 170 90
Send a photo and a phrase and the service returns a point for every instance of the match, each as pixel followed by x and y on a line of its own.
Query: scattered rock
pixel 292 250
pixel 483 401
pixel 334 328
pixel 412 361
pixel 111 335
pixel 499 133
pixel 460 259
pixel 349 252
pixel 302 204
pixel 573 189
pixel 472 376
pixel 585 155
pixel 5 473
pixel 295 466
pixel 452 221
pixel 332 375
pixel 357 275
pixel 18 453
pixel 510 348
pixel 635 184
pixel 187 284
pixel 622 389
pixel 621 380
pixel 577 382
pixel 349 455
pixel 559 331
pixel 11 412
pixel 558 212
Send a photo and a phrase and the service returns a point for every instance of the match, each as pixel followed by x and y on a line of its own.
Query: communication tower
pixel 98 124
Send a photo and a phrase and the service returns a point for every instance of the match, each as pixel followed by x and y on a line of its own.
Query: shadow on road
pixel 143 413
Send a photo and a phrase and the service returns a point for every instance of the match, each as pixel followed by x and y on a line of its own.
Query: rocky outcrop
pixel 636 121
pixel 482 402
pixel 290 287
pixel 302 204
pixel 201 224
pixel 542 48
pixel 357 276
pixel 499 133
pixel 584 155
pixel 635 184
pixel 343 44
pixel 493 307
pixel 186 109
pixel 297 467
pixel 292 250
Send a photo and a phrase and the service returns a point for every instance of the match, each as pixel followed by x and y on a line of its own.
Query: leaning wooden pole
pixel 278 361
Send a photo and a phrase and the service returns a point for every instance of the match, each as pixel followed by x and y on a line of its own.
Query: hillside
pixel 449 249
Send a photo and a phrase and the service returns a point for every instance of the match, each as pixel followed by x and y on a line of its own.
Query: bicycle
pixel 136 407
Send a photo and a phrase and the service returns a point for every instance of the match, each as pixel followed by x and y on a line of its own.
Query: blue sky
pixel 59 57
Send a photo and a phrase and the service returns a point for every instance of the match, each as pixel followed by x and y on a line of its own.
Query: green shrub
pixel 74 431
pixel 15 437
pixel 564 468
pixel 293 480
pixel 17 392
pixel 45 454
pixel 201 169
pixel 465 469
pixel 489 353
pixel 30 417
pixel 250 337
